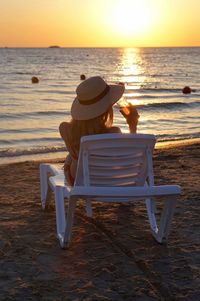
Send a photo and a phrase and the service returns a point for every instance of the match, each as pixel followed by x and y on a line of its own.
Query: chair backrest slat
pixel 118 171
pixel 117 161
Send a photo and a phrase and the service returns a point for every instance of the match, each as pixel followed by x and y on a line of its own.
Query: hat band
pixel 95 99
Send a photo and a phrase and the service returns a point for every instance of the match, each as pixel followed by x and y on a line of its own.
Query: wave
pixel 131 96
pixel 13 152
pixel 33 114
pixel 9 105
pixel 183 75
pixel 177 137
pixel 65 92
pixel 156 89
pixel 52 100
pixel 169 105
pixel 22 73
pixel 29 141
pixel 28 130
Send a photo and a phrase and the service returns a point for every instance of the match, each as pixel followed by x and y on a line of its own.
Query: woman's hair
pixel 98 125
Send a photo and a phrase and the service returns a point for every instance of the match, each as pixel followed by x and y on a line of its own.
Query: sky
pixel 99 23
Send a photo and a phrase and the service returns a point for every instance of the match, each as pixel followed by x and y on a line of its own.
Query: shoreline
pixel 177 143
pixel 60 155
pixel 113 255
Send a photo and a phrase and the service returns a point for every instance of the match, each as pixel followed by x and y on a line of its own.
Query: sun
pixel 132 17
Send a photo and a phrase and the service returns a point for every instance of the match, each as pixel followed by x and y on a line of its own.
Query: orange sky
pixel 95 23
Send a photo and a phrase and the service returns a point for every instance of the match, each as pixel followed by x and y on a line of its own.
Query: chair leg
pixel 60 212
pixel 88 208
pixel 69 223
pixel 151 209
pixel 43 183
pixel 166 219
pixel 49 195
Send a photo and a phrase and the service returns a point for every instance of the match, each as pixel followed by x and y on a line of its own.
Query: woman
pixel 92 113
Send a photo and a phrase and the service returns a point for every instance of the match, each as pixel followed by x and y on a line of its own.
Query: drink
pixel 125 110
pixel 124 106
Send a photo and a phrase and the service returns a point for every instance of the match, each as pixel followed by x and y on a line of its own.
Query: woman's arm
pixel 69 169
pixel 131 118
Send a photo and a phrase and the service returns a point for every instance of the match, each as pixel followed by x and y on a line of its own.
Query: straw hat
pixel 94 97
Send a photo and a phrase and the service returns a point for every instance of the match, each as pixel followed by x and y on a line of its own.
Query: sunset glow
pixel 132 18
pixel 94 23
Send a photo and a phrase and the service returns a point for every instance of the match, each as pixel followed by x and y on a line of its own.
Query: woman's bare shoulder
pixel 64 126
pixel 64 129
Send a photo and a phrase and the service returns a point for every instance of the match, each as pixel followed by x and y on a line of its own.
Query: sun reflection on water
pixel 132 74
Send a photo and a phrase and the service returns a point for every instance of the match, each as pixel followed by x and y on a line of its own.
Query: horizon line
pixel 65 47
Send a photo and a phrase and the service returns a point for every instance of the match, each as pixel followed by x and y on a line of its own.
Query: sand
pixel 113 255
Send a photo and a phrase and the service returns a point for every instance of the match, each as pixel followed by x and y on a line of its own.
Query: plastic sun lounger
pixel 111 168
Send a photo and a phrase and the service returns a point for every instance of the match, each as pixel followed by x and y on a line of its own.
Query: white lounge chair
pixel 111 168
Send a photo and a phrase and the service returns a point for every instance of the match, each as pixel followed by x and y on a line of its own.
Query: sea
pixel 30 114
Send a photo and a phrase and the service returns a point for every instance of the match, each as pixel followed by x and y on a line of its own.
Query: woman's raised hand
pixel 131 115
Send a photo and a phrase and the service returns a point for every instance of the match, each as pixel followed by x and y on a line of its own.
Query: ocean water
pixel 31 113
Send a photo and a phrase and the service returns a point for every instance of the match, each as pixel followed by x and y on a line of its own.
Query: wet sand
pixel 113 255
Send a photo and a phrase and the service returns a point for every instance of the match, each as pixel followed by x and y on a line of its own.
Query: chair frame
pixel 53 178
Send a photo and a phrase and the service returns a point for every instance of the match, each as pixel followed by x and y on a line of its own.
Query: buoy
pixel 35 80
pixel 186 90
pixel 82 77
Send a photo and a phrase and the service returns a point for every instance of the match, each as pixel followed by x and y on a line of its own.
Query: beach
pixel 113 255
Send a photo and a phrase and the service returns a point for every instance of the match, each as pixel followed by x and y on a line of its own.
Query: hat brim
pixel 85 112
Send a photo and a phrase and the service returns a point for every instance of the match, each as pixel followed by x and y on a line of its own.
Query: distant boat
pixel 54 46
